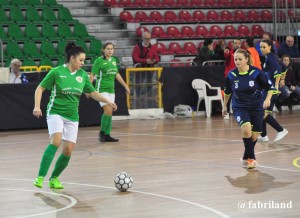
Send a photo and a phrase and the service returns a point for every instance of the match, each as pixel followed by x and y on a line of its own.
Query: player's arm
pixel 122 82
pixel 227 93
pixel 99 97
pixel 264 83
pixel 37 101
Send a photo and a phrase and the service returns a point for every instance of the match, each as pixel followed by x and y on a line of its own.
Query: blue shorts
pixel 254 117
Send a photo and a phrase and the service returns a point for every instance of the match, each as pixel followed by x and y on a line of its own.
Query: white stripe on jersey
pixel 52 100
pixel 99 81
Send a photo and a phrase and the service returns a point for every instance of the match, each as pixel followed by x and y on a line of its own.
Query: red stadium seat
pixel 200 44
pixel 239 15
pixel 210 3
pixel 110 3
pixel 253 15
pixel 172 31
pixel 170 16
pixel 212 16
pixel 224 3
pixel 215 30
pixel 266 15
pixel 168 3
pixel 243 46
pixel 265 3
pixel 154 3
pixel 140 30
pixel 126 16
pixel 196 3
pixel 156 16
pixel 198 15
pixel 126 3
pixel 141 16
pixel 280 15
pixel 140 3
pixel 190 48
pixel 229 30
pixel 243 30
pixel 201 31
pixel 187 31
pixel 182 3
pixel 158 32
pixel 161 48
pixel 257 30
pixel 175 48
pixel 184 15
pixel 238 3
pixel 253 3
pixel 226 16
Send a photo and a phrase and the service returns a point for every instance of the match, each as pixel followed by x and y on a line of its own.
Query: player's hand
pixel 267 104
pixel 127 90
pixel 87 95
pixel 149 61
pixel 113 105
pixel 37 112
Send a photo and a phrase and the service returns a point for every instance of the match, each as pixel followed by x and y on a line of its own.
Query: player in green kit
pixel 105 70
pixel 67 83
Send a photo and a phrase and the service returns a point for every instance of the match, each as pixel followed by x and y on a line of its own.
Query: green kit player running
pixel 105 70
pixel 67 83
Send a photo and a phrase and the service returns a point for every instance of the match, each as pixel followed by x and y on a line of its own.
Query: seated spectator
pixel 254 54
pixel 15 76
pixel 289 48
pixel 219 50
pixel 144 53
pixel 206 52
pixel 288 86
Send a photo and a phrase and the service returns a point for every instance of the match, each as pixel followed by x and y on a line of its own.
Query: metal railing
pixel 2 53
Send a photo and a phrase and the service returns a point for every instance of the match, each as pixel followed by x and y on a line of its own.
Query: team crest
pixel 251 83
pixel 79 79
pixel 238 118
pixel 114 63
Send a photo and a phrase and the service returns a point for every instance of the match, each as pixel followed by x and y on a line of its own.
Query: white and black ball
pixel 123 181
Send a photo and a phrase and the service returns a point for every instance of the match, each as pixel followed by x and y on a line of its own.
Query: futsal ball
pixel 123 181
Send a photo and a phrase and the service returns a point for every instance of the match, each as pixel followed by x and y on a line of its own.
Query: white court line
pixel 276 168
pixel 73 200
pixel 139 192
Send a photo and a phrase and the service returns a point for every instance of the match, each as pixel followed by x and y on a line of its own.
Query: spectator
pixel 288 47
pixel 228 54
pixel 219 50
pixel 288 86
pixel 144 53
pixel 254 54
pixel 15 75
pixel 206 52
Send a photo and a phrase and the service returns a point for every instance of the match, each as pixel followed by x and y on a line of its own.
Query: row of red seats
pixel 198 15
pixel 189 3
pixel 201 31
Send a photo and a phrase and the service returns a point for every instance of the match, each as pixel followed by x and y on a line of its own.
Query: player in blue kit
pixel 246 84
pixel 273 70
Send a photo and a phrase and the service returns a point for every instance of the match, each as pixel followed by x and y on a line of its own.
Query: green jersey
pixel 66 89
pixel 105 72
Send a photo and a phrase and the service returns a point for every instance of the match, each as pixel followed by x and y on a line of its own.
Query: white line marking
pixel 73 200
pixel 139 192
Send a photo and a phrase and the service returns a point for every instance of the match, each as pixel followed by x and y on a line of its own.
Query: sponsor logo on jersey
pixel 112 71
pixel 79 79
pixel 114 63
pixel 62 76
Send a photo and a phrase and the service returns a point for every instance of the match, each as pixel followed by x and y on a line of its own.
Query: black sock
pixel 249 147
pixel 264 128
pixel 272 122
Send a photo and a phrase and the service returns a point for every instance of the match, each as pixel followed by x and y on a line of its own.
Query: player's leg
pixel 55 128
pixel 69 137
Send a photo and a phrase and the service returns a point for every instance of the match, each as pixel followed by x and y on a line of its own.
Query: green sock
pixel 109 126
pixel 61 164
pixel 47 158
pixel 104 122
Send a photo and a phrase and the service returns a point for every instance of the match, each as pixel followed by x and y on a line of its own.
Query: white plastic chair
pixel 200 86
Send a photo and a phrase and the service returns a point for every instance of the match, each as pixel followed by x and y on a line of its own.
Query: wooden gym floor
pixel 186 167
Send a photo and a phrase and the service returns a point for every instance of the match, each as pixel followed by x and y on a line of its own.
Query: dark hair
pixel 246 55
pixel 269 43
pixel 104 46
pixel 250 42
pixel 72 50
pixel 207 42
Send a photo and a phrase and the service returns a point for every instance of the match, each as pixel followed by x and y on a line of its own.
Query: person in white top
pixel 15 74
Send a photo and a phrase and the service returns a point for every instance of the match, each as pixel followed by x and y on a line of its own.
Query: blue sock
pixel 272 122
pixel 249 147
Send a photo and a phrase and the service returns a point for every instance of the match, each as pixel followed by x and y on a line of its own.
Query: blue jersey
pixel 247 88
pixel 272 67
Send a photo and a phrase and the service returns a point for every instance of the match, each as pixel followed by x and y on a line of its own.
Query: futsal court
pixel 186 167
